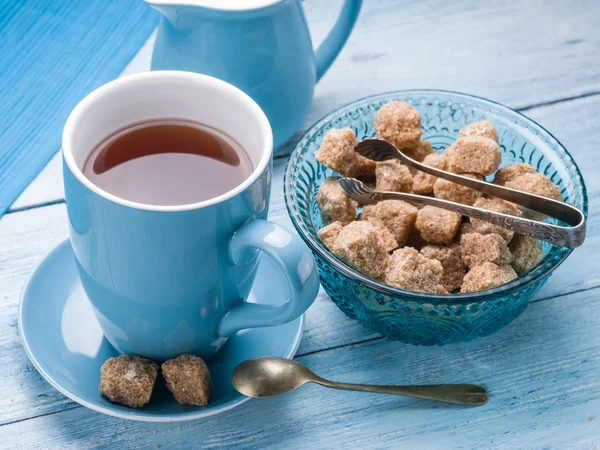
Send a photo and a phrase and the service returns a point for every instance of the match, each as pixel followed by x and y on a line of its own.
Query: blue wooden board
pixel 543 370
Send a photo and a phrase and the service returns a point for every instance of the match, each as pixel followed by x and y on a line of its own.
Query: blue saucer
pixel 65 343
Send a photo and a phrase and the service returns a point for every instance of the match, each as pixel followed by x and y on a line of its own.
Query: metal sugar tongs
pixel 571 236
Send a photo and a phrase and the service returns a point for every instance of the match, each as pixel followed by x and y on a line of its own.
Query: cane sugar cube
pixel 398 216
pixel 408 269
pixel 188 378
pixel 384 233
pixel 393 176
pixel 360 246
pixel 477 249
pixel 450 258
pixel 329 233
pixel 447 190
pixel 423 182
pixel 399 123
pixel 334 203
pixel 366 169
pixel 535 183
pixel 337 152
pixel 511 172
pixel 527 253
pixel 128 379
pixel 436 225
pixel 483 128
pixel 415 240
pixel 497 205
pixel 487 276
pixel 465 228
pixel 420 151
pixel 474 154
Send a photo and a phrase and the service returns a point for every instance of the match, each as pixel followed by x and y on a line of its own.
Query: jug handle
pixel 337 37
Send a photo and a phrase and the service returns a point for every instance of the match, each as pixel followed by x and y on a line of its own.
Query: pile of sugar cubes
pixel 427 249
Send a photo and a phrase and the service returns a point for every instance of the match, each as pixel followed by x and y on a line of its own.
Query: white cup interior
pixel 167 95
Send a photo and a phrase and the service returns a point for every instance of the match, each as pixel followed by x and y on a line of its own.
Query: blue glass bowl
pixel 414 317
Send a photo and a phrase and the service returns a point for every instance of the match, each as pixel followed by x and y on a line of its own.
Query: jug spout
pixel 184 13
pixel 169 10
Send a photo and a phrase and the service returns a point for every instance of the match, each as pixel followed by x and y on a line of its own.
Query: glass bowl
pixel 414 317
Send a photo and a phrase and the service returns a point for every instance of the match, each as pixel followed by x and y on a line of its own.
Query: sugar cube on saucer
pixel 128 379
pixel 188 378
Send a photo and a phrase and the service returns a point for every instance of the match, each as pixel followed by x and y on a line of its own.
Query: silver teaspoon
pixel 268 376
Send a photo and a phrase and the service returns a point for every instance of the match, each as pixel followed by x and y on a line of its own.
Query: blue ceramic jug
pixel 261 46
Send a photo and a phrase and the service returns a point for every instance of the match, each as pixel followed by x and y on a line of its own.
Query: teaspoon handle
pixel 462 394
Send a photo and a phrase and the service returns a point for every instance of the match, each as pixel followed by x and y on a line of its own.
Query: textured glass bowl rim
pixel 542 270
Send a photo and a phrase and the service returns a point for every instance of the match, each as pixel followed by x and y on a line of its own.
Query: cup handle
pixel 297 264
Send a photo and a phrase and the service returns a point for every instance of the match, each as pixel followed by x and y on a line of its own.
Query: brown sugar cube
pixel 436 225
pixel 478 248
pixel 487 276
pixel 398 216
pixel 423 182
pixel 393 176
pixel 388 239
pixel 410 270
pixel 447 190
pixel 535 183
pixel 497 205
pixel 359 245
pixel 399 123
pixel 415 240
pixel 337 152
pixel 329 233
pixel 527 253
pixel 465 228
pixel 474 154
pixel 366 169
pixel 483 128
pixel 128 379
pixel 420 151
pixel 511 172
pixel 451 259
pixel 188 378
pixel 334 203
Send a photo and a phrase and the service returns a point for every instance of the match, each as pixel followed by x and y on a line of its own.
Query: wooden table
pixel 543 370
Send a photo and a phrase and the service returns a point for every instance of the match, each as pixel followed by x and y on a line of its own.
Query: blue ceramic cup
pixel 169 280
